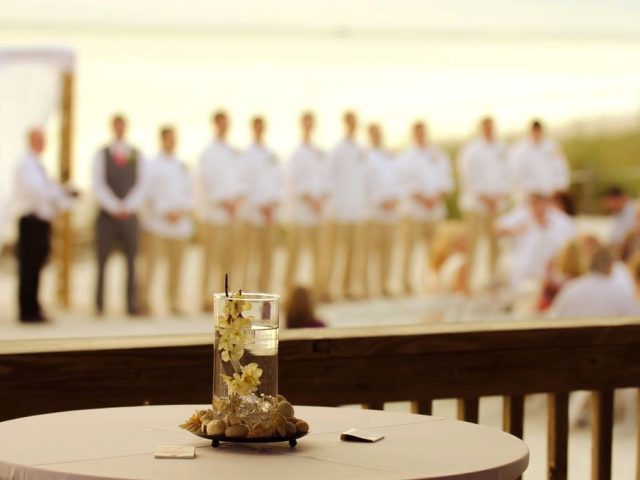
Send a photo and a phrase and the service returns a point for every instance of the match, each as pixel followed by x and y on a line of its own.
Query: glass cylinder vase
pixel 245 357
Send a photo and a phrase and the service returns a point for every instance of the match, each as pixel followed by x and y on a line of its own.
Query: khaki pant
pixel 300 239
pixel 379 245
pixel 262 243
pixel 414 232
pixel 217 259
pixel 160 249
pixel 348 242
pixel 482 225
pixel 241 233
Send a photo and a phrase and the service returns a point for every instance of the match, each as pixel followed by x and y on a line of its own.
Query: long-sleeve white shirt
pixel 346 174
pixel 264 174
pixel 593 295
pixel 426 171
pixel 383 185
pixel 219 179
pixel 35 193
pixel 107 200
pixel 308 176
pixel 535 245
pixel 537 167
pixel 624 221
pixel 169 190
pixel 483 172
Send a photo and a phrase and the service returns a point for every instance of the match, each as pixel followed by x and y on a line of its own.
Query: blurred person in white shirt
pixel 167 220
pixel 484 185
pixel 348 212
pixel 309 191
pixel 119 187
pixel 539 232
pixel 596 294
pixel 264 174
pixel 220 193
pixel 383 198
pixel 623 209
pixel 38 200
pixel 537 165
pixel 426 178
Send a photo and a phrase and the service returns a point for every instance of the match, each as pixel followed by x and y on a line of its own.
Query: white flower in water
pixel 245 383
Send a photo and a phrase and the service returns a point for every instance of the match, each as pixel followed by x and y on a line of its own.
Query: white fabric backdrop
pixel 29 93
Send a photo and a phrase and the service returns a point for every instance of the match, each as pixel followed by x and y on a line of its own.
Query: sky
pixel 611 17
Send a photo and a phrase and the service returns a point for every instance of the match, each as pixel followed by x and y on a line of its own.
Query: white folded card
pixel 175 451
pixel 357 435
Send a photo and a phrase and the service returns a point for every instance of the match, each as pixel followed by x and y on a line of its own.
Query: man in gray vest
pixel 119 189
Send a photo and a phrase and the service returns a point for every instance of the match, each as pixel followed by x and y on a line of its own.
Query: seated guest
pixel 539 231
pixel 300 310
pixel 451 261
pixel 622 207
pixel 631 240
pixel 596 294
pixel 619 271
pixel 38 200
pixel 634 269
pixel 568 265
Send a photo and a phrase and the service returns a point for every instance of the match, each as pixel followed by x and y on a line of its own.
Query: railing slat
pixel 601 434
pixel 468 409
pixel 513 415
pixel 422 407
pixel 557 435
pixel 638 434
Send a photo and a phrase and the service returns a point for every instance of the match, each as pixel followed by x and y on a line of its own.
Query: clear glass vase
pixel 245 357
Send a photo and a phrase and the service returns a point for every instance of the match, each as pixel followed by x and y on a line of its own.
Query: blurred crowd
pixel 350 210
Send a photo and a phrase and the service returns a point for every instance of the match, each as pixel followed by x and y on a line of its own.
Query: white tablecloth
pixel 120 443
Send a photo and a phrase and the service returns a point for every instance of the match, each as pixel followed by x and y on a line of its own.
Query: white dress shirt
pixel 593 295
pixel 426 171
pixel 264 174
pixel 383 185
pixel 483 172
pixel 308 175
pixel 535 245
pixel 168 190
pixel 35 193
pixel 538 167
pixel 347 178
pixel 219 179
pixel 623 223
pixel 107 200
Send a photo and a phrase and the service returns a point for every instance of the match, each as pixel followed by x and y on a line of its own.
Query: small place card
pixel 175 451
pixel 357 435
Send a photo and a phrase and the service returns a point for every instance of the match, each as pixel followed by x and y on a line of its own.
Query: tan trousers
pixel 217 259
pixel 300 239
pixel 171 251
pixel 241 234
pixel 346 241
pixel 262 243
pixel 379 245
pixel 482 225
pixel 414 232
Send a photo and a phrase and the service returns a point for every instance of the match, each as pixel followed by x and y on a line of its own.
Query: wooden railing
pixel 346 366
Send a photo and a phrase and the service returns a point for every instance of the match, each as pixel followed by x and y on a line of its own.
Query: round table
pixel 120 443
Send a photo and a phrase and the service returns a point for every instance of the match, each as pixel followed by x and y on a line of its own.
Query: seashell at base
pixel 237 431
pixel 302 426
pixel 216 427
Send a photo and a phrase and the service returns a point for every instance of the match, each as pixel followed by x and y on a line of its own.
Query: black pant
pixel 34 245
pixel 110 234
